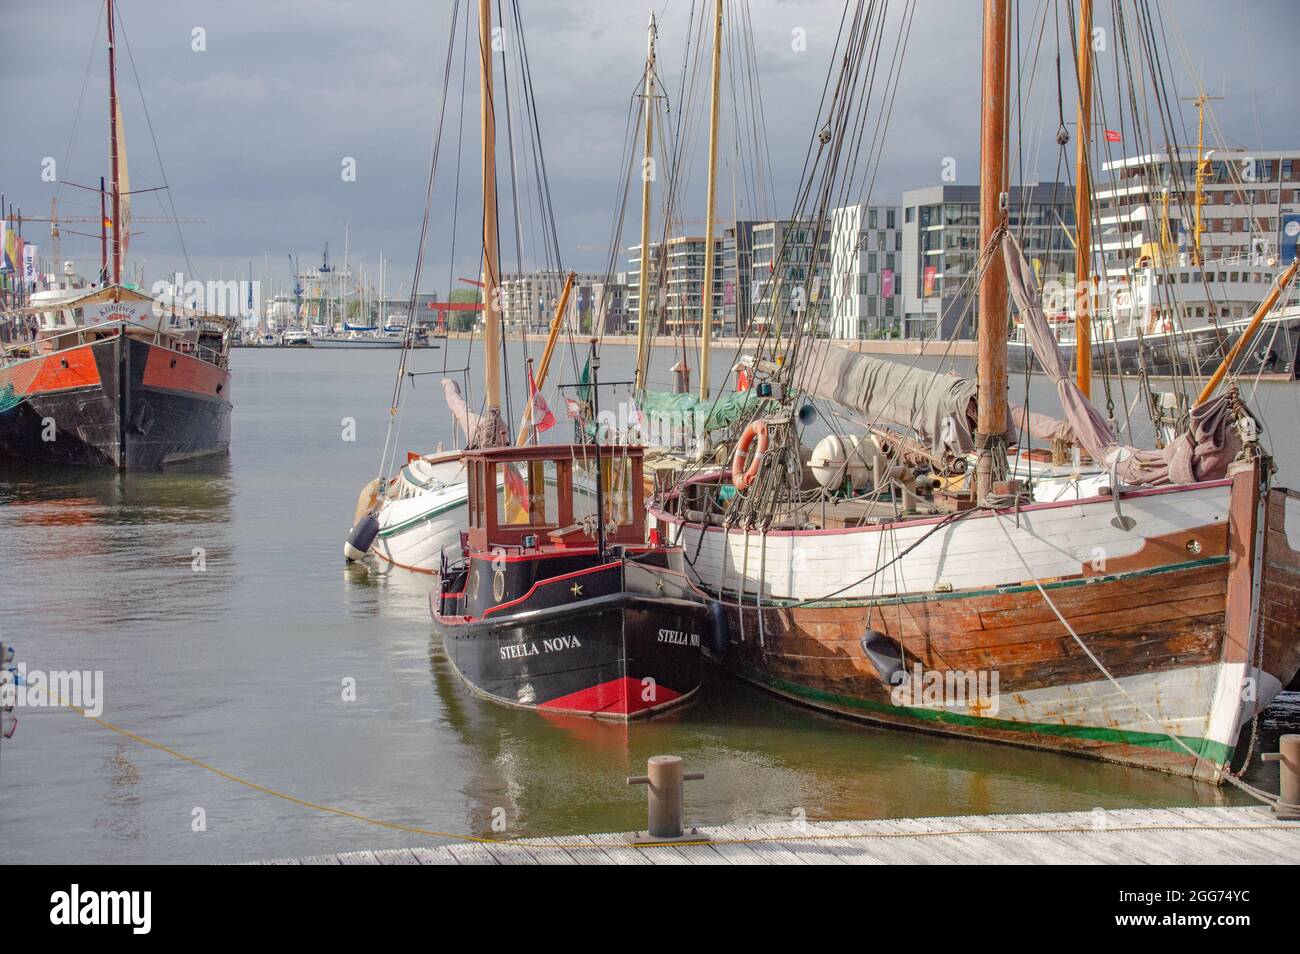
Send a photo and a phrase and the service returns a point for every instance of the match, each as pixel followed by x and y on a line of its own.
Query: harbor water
pixel 214 599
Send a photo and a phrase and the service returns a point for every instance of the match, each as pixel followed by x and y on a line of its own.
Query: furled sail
pixel 1203 453
pixel 481 430
pixel 939 408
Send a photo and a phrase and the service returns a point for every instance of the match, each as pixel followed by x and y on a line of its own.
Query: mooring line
pixel 527 844
pixel 1246 787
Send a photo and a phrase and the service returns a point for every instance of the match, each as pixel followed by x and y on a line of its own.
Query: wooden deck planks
pixel 1114 836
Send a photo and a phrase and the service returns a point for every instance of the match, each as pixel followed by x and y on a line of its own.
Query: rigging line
pixel 81 100
pixel 1263 796
pixel 514 201
pixel 455 201
pixel 1150 46
pixel 386 460
pixel 943 524
pixel 547 211
pixel 162 169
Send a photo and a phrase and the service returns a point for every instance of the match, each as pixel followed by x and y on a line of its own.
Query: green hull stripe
pixel 1216 752
pixel 422 518
pixel 776 604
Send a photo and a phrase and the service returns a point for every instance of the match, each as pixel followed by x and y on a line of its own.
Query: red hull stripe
pixel 64 370
pixel 181 372
pixel 618 696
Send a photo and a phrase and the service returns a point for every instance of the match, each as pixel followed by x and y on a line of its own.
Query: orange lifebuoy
pixel 742 476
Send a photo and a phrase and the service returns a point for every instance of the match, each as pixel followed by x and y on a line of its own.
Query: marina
pixel 926 518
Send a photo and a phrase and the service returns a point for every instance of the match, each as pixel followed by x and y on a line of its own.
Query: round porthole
pixel 498 585
pixel 63 362
pixel 173 362
pixel 220 387
pixel 1193 547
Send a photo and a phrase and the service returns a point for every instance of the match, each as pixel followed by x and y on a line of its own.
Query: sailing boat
pixel 1145 625
pixel 114 377
pixel 555 604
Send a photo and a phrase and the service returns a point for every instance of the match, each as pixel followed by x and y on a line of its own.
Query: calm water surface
pixel 242 663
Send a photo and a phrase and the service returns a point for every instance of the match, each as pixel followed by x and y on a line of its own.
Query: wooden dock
pixel 1123 836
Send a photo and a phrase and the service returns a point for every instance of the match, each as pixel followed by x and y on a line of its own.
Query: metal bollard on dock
pixel 1288 757
pixel 665 777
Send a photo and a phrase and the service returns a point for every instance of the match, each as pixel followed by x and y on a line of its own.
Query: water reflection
pixel 240 663
pixel 764 759
pixel 144 531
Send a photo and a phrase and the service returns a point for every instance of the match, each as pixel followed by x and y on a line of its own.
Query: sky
pixel 257 106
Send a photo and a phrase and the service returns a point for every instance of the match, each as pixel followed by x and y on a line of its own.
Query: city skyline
pixel 253 127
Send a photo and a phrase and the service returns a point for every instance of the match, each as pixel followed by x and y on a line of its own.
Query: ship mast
pixel 1083 208
pixel 1202 172
pixel 991 423
pixel 706 303
pixel 114 158
pixel 647 163
pixel 491 265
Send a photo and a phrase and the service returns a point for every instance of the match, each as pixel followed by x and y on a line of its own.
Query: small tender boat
pixel 559 603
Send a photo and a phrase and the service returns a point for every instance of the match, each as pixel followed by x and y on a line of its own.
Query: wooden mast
pixel 647 164
pixel 706 299
pixel 491 264
pixel 544 366
pixel 114 159
pixel 1260 314
pixel 1083 208
pixel 1202 172
pixel 992 344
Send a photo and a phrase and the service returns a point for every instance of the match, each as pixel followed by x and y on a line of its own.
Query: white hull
pixel 1068 538
pixel 357 342
pixel 424 517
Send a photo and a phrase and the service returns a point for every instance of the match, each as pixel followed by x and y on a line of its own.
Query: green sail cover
pixel 687 408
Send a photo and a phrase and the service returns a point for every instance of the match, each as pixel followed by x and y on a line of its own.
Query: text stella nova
pixel 557 644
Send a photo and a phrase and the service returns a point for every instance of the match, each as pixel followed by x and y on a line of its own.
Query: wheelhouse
pixel 563 495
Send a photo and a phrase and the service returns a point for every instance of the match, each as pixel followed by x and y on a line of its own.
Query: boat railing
pixel 55 342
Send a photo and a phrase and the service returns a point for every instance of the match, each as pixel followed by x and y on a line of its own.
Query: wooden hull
pixel 1169 617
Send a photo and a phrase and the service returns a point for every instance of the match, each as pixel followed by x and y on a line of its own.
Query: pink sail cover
pixel 481 430
pixel 1204 453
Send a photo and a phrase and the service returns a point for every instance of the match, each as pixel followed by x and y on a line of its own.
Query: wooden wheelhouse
pixel 537 497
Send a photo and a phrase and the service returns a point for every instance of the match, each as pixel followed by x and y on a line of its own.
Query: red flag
pixel 1113 135
pixel 542 418
pixel 573 408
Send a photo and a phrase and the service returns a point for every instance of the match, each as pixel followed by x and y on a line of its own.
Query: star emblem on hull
pixel 576 589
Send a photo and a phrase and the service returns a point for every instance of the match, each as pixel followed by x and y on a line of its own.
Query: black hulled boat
pixel 115 379
pixel 556 609
pixel 112 377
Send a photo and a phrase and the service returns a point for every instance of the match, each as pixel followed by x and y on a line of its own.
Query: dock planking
pixel 1128 836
